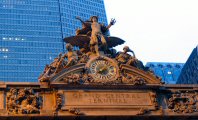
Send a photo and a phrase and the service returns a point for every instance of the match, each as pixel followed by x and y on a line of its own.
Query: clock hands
pixel 101 70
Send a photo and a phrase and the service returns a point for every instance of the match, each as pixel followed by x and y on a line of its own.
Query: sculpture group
pixel 93 41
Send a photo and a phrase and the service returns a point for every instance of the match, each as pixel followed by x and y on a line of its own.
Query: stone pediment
pixel 104 70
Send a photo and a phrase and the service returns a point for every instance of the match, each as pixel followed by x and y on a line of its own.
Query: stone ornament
pixel 183 102
pixel 23 101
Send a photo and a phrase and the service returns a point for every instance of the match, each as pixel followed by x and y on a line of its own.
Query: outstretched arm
pixel 133 53
pixel 112 22
pixel 78 18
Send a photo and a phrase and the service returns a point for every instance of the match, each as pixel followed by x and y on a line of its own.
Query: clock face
pixel 103 69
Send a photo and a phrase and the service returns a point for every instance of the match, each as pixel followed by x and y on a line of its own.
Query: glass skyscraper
pixel 32 32
pixel 189 73
pixel 169 72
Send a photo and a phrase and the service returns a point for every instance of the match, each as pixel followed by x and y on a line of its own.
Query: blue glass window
pixel 32 32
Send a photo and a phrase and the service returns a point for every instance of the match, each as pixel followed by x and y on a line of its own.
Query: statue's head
pixel 126 48
pixel 69 47
pixel 94 18
pixel 60 54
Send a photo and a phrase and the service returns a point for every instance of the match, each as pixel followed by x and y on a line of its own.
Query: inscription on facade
pixel 107 98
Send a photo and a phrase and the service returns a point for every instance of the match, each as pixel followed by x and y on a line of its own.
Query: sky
pixel 156 30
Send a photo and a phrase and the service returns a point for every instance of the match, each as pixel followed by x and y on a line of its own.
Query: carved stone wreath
pixel 183 102
pixel 23 101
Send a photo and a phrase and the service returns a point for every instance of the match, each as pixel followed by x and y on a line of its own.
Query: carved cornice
pixel 86 99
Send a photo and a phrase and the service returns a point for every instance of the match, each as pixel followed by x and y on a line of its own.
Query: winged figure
pixel 86 26
pixel 89 30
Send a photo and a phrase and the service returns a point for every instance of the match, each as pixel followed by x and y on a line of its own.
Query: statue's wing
pixel 88 23
pixel 85 30
pixel 81 40
pixel 104 30
pixel 114 41
pixel 78 40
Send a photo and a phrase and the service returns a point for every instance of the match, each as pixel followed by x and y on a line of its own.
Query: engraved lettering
pixel 108 98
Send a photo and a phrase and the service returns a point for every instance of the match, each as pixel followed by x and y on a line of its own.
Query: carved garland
pixel 59 100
